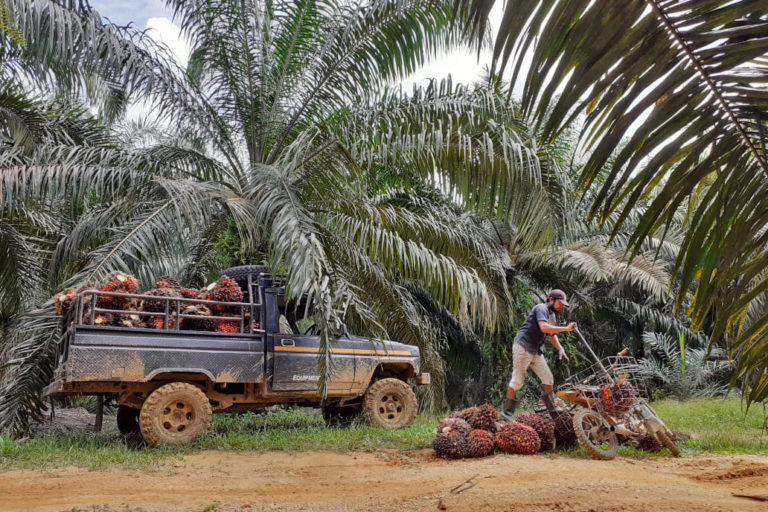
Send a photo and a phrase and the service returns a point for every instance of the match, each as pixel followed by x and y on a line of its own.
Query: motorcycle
pixel 610 400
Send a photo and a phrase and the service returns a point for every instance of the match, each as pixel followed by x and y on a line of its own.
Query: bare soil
pixel 397 481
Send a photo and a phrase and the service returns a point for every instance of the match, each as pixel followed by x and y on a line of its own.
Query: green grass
pixel 715 426
pixel 286 430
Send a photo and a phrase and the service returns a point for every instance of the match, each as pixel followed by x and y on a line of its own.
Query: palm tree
pixel 683 84
pixel 286 125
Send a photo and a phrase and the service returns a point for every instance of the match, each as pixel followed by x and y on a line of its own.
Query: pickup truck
pixel 169 382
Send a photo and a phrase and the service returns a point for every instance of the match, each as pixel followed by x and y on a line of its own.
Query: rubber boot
pixel 549 402
pixel 509 409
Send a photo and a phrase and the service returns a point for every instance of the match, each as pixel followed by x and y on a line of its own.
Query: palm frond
pixel 693 73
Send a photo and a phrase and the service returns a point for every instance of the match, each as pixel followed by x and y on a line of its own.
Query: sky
pixel 463 66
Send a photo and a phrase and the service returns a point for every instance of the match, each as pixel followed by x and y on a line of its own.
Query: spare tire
pixel 240 274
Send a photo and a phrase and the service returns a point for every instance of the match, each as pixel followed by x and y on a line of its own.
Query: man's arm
pixel 548 328
pixel 555 342
pixel 551 332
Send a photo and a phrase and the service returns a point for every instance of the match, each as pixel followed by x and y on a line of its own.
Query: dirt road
pixel 396 481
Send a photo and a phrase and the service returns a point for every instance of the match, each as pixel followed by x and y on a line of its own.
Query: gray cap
pixel 559 294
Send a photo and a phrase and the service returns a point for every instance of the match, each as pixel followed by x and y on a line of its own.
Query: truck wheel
pixel 240 274
pixel 127 420
pixel 390 403
pixel 335 416
pixel 175 413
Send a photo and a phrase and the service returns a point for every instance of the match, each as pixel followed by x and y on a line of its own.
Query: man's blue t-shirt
pixel 530 336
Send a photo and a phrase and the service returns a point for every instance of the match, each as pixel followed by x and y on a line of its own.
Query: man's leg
pixel 541 369
pixel 520 362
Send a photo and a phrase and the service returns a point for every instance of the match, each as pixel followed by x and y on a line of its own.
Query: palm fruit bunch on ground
pixel 227 325
pixel 517 439
pixel 649 443
pixel 117 282
pixel 618 397
pixel 201 322
pixel 453 424
pixel 223 290
pixel 483 417
pixel 565 435
pixel 543 425
pixel 480 443
pixel 450 445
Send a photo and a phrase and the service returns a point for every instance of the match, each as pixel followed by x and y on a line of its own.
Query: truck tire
pixel 240 274
pixel 127 420
pixel 175 413
pixel 390 403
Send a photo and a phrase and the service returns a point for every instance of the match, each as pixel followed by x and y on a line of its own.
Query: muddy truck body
pixel 168 381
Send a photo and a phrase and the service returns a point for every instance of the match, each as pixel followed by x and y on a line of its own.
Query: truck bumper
pixel 423 379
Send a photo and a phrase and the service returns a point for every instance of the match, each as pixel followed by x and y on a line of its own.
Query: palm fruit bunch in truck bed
pixel 159 305
pixel 543 426
pixel 199 321
pixel 223 290
pixel 117 282
pixel 518 439
pixel 228 326
pixel 65 300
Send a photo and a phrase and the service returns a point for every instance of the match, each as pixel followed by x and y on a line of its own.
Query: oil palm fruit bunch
pixel 480 443
pixel 103 319
pixel 130 320
pixel 543 426
pixel 201 322
pixel 117 282
pixel 158 322
pixel 565 435
pixel 483 417
pixel 649 443
pixel 223 290
pixel 158 305
pixel 450 445
pixel 517 439
pixel 618 397
pixel 168 282
pixel 232 326
pixel 64 300
pixel 189 293
pixel 453 424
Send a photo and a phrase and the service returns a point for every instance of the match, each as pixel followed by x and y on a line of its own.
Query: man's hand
pixel 562 356
pixel 571 327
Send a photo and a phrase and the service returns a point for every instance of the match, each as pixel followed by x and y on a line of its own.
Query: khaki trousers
pixel 521 361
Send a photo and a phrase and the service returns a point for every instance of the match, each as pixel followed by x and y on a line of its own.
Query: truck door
pixel 295 369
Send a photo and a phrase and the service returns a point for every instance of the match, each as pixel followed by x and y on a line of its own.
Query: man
pixel 527 351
